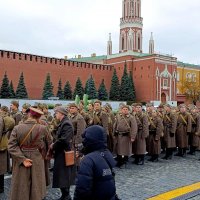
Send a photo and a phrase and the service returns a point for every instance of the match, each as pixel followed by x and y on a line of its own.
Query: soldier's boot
pixel 192 150
pixel 119 161
pixel 180 152
pixel 155 158
pixel 184 152
pixel 136 161
pixel 167 154
pixel 2 183
pixel 65 194
pixel 170 153
pixel 141 160
pixel 125 159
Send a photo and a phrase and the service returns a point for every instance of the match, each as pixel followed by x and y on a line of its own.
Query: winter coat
pixel 184 128
pixel 155 131
pixel 63 176
pixel 3 154
pixel 124 124
pixel 95 180
pixel 195 131
pixel 170 124
pixel 28 183
pixel 139 145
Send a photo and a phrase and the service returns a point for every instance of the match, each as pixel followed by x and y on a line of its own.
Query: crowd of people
pixel 35 137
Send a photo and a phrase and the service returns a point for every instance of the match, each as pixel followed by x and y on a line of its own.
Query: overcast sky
pixel 71 27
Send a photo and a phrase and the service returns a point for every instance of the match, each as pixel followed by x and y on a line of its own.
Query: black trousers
pixel 1 183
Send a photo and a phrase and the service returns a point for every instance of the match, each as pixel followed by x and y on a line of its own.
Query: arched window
pixel 122 43
pixel 194 77
pixel 188 76
pixel 138 42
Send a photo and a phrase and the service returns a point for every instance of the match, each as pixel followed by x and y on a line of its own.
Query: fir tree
pixel 48 88
pixel 67 91
pixel 60 91
pixel 86 87
pixel 5 92
pixel 102 92
pixel 125 84
pixel 132 96
pixel 115 87
pixel 78 89
pixel 91 90
pixel 12 92
pixel 21 92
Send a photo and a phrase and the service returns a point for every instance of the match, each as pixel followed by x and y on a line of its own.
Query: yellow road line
pixel 177 192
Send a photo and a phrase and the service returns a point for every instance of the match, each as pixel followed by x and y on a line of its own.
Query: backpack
pixel 9 123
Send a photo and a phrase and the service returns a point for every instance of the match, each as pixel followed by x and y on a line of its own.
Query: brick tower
pixel 131 25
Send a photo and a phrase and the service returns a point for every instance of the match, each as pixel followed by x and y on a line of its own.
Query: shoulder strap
pixel 27 135
pixel 126 122
pixel 183 119
pixel 111 168
pixel 192 119
pixel 168 118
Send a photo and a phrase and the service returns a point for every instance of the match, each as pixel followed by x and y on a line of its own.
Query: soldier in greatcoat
pixel 79 124
pixel 170 124
pixel 125 130
pixel 149 110
pixel 161 112
pixel 111 119
pixel 100 117
pixel 3 157
pixel 195 132
pixel 14 111
pixel 184 128
pixel 155 131
pixel 139 145
pixel 26 145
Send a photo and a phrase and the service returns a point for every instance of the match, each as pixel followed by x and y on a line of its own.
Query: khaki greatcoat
pixel 195 131
pixel 139 145
pixel 123 124
pixel 79 125
pixel 28 183
pixel 170 124
pixel 3 154
pixel 183 129
pixel 155 132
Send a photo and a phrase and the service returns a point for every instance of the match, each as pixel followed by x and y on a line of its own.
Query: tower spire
pixel 109 45
pixel 151 44
pixel 131 25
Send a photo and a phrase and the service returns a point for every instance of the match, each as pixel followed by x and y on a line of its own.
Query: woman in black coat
pixel 63 176
pixel 95 179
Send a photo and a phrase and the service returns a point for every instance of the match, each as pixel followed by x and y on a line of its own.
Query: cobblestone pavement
pixel 140 182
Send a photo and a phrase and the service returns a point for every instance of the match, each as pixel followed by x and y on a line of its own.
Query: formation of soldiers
pixel 130 132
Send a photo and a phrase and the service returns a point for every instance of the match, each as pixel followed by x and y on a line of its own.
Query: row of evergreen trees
pixel 124 91
pixel 7 89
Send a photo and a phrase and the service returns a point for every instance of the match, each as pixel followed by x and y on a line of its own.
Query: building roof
pixel 86 59
pixel 188 65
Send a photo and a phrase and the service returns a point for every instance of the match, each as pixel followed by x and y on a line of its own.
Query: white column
pixel 156 88
pixel 160 87
pixel 170 89
pixel 122 8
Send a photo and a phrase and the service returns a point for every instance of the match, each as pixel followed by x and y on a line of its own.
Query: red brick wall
pixel 35 69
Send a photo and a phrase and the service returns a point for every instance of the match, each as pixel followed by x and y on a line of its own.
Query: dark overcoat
pixel 63 176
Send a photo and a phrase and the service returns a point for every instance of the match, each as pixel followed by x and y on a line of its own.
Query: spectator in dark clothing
pixel 95 179
pixel 63 176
